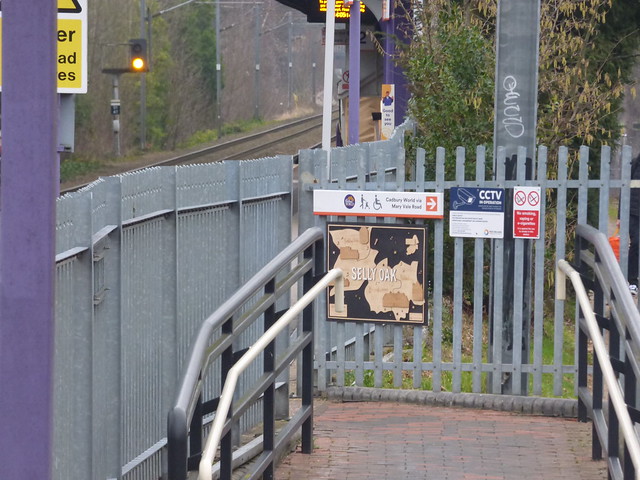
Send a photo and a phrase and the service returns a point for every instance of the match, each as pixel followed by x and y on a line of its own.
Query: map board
pixel 385 271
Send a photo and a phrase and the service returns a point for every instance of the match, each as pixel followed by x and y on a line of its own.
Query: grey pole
pixel 218 70
pixel 313 84
pixel 143 80
pixel 30 177
pixel 516 89
pixel 256 82
pixel 354 73
pixel 290 60
pixel 116 120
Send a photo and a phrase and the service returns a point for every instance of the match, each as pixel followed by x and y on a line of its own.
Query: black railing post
pixel 582 344
pixel 195 433
pixel 268 404
pixel 630 399
pixel 307 354
pixel 177 451
pixel 226 443
pixel 613 437
pixel 598 379
pixel 582 371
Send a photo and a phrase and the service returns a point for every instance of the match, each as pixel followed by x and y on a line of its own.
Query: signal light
pixel 138 55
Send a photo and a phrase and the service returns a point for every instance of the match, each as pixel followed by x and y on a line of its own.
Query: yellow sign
pixel 69 6
pixel 71 37
pixel 342 10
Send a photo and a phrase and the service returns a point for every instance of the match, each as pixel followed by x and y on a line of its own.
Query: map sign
pixel 385 270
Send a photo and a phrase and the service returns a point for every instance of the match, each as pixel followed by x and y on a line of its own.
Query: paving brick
pixel 412 441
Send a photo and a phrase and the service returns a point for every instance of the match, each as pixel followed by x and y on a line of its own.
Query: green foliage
pixel 200 137
pixel 205 136
pixel 198 33
pixel 159 86
pixel 74 167
pixel 449 68
pixel 242 126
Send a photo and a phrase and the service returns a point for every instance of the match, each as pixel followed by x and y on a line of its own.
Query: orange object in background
pixel 614 241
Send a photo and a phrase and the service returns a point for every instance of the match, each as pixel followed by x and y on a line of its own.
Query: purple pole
pixel 29 175
pixel 389 47
pixel 399 80
pixel 391 72
pixel 354 73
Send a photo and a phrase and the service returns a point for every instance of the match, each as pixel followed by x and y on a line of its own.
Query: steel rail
pixel 220 147
pixel 188 157
pixel 215 435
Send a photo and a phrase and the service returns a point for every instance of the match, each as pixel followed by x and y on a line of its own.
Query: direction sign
pixel 71 37
pixel 360 203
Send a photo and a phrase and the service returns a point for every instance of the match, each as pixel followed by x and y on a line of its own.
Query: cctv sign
pixel 476 212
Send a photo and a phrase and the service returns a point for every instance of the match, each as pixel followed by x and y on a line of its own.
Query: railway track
pixel 261 144
pixel 285 139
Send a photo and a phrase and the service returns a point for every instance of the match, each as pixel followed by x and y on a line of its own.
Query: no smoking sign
pixel 526 212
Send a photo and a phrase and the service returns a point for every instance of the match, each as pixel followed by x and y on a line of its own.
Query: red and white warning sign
pixel 526 212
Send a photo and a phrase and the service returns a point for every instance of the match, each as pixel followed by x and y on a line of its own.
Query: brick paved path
pixel 397 441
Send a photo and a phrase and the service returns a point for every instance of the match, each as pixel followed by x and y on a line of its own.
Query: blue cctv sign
pixel 477 199
pixel 476 212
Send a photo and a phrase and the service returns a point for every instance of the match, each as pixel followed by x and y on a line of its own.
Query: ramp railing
pixel 610 309
pixel 222 423
pixel 255 300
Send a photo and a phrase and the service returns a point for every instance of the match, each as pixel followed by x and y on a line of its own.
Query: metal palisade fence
pixel 462 348
pixel 142 260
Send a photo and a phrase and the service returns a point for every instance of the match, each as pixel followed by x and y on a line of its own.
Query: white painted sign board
pixel 476 212
pixel 359 203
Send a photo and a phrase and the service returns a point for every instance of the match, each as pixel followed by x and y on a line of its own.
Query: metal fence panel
pixel 142 260
pixel 145 257
pixel 465 363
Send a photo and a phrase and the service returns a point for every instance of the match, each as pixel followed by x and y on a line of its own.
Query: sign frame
pixel 388 290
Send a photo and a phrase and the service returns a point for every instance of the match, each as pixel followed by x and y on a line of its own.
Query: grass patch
pixel 74 167
pixel 466 355
pixel 207 136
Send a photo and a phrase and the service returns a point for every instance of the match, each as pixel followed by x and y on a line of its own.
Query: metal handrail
pixel 615 392
pixel 617 281
pixel 215 435
pixel 201 355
